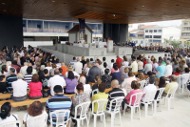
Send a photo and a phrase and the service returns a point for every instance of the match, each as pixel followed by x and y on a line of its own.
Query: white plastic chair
pixel 11 124
pixel 115 108
pixel 158 99
pixel 142 82
pixel 81 109
pixel 183 79
pixel 60 118
pixel 95 91
pixel 138 97
pixel 101 107
pixel 148 100
pixel 170 96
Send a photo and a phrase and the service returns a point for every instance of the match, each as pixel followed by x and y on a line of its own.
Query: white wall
pixel 72 37
pixel 171 32
pixel 89 35
pixel 38 43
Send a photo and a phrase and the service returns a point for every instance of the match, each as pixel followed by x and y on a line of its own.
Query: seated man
pixel 58 101
pixel 173 85
pixel 19 88
pixel 11 78
pixel 100 95
pixel 56 80
pixel 114 93
pixel 150 87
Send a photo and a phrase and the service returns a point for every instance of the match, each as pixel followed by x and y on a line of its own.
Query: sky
pixel 175 23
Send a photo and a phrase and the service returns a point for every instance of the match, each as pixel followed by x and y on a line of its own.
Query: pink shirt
pixel 127 98
pixel 35 89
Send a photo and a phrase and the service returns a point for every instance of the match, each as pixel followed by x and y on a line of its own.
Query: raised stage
pixel 67 52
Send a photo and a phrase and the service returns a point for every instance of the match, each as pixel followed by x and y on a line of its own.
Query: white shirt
pixel 75 74
pixel 10 118
pixel 23 70
pixel 125 63
pixel 34 121
pixel 147 68
pixel 134 66
pixel 184 78
pixel 82 79
pixel 168 70
pixel 56 80
pixel 48 68
pixel 126 84
pixel 19 88
pixel 78 67
pixel 140 65
pixel 149 88
pixel 87 89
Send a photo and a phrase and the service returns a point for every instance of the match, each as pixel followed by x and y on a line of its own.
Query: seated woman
pixel 35 87
pixel 83 77
pixel 135 89
pixel 5 115
pixel 35 115
pixel 80 97
pixel 162 84
pixel 115 73
pixel 71 83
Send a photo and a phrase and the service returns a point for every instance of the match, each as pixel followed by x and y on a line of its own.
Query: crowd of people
pixel 32 73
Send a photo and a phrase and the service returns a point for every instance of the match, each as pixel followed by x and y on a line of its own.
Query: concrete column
pixel 117 32
pixel 11 31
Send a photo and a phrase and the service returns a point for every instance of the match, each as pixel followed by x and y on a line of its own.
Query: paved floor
pixel 177 117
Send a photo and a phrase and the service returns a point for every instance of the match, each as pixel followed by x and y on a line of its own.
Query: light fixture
pixel 53 1
pixel 113 15
pixel 3 3
pixel 142 6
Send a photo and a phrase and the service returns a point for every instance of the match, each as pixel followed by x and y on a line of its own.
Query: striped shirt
pixel 28 78
pixel 114 93
pixel 11 79
pixel 58 102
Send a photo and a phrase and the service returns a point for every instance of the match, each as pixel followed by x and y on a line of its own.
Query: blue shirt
pixel 58 102
pixel 161 71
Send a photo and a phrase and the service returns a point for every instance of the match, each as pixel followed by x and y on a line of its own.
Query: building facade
pixel 56 31
pixel 185 29
pixel 153 34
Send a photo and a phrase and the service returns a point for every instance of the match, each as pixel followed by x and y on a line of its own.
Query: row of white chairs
pixel 63 116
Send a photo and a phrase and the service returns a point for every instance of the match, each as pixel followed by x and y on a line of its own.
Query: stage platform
pixel 67 52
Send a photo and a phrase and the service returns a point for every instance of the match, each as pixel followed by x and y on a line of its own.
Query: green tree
pixel 173 43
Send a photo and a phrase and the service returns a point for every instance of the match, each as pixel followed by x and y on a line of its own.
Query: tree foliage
pixel 174 43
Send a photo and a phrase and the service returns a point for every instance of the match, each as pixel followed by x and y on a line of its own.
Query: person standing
pixel 78 66
pixel 134 65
